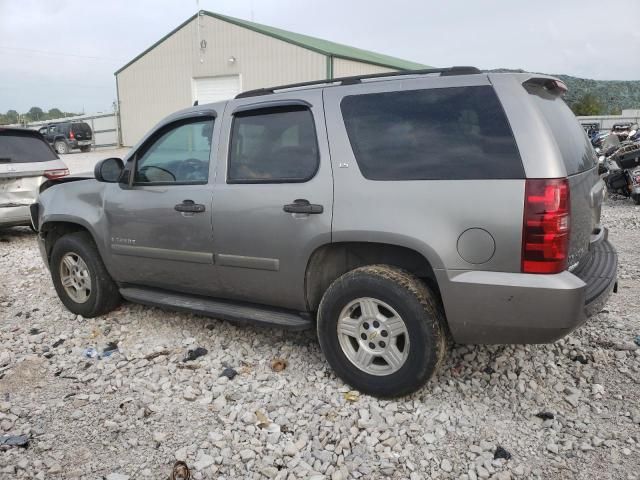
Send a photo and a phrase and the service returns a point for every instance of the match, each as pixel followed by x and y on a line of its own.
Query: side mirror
pixel 109 170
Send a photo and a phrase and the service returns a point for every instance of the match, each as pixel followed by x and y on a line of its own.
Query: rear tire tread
pixel 432 314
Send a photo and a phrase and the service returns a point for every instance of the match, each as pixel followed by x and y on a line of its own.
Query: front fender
pixel 80 203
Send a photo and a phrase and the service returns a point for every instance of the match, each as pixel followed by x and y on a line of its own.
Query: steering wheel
pixel 147 167
pixel 192 169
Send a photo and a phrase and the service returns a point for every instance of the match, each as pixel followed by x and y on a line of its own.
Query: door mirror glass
pixel 109 170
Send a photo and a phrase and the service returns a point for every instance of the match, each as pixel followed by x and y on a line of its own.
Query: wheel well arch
pixel 52 231
pixel 330 261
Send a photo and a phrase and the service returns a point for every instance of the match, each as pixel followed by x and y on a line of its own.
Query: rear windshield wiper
pixel 5 160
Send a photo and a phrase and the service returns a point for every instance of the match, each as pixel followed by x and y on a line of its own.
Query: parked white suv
pixel 26 162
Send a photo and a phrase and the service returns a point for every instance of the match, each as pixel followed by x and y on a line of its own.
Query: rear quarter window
pixel 22 147
pixel 575 147
pixel 459 133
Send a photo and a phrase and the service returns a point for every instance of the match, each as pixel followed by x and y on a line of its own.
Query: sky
pixel 64 53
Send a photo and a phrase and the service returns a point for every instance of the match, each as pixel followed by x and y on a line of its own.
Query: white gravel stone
pixel 203 461
pixel 144 406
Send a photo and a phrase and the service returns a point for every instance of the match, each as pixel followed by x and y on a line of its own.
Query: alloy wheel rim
pixel 373 336
pixel 75 277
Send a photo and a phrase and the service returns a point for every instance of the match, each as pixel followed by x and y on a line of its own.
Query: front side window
pixel 273 145
pixel 180 154
pixel 459 133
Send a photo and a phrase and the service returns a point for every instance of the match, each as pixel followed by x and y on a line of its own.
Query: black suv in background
pixel 66 136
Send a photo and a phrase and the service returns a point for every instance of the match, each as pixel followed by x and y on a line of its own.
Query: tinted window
pixel 179 154
pixel 273 145
pixel 19 147
pixel 437 134
pixel 576 149
pixel 81 128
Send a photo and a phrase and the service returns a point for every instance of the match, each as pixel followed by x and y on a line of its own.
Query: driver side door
pixel 160 222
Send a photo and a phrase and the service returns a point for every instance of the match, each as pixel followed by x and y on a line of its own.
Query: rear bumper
pixel 79 143
pixel 16 194
pixel 14 215
pixel 498 307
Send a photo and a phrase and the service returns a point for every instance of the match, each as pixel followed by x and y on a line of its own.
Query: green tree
pixel 587 104
pixel 615 111
pixel 12 116
pixel 55 113
pixel 35 113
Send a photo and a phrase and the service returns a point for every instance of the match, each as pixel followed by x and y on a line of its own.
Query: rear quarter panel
pixel 542 157
pixel 427 215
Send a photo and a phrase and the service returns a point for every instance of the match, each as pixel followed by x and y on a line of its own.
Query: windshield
pixel 24 147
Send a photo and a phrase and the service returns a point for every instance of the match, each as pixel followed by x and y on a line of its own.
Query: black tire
pixel 86 148
pixel 104 295
pixel 417 306
pixel 61 147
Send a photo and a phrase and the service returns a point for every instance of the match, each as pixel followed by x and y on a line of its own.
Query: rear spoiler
pixel 551 85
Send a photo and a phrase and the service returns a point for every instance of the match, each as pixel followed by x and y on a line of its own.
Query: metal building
pixel 212 57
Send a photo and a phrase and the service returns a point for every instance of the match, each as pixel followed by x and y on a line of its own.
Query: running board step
pixel 233 312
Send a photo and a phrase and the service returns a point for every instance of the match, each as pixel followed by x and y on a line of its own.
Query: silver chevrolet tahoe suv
pixel 390 212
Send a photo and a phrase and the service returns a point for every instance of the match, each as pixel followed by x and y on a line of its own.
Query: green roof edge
pixel 282 35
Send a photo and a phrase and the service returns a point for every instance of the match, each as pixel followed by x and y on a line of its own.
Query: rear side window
pixel 21 147
pixel 577 152
pixel 457 133
pixel 273 145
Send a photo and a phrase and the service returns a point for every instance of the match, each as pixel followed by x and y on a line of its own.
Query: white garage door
pixel 214 89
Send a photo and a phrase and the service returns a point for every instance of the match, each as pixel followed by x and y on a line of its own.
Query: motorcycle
pixel 621 170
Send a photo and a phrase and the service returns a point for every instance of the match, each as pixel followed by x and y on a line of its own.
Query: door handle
pixel 189 206
pixel 302 206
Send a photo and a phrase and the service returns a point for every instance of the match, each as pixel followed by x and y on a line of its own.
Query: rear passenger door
pixel 273 199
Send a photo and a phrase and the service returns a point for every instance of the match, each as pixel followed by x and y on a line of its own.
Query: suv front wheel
pixel 381 330
pixel 80 278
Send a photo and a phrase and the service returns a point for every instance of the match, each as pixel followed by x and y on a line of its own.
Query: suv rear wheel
pixel 80 278
pixel 61 147
pixel 381 330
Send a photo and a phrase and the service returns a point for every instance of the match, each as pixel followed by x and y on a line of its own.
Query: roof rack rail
pixel 358 78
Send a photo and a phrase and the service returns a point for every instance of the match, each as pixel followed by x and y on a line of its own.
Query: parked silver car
pixel 386 211
pixel 26 162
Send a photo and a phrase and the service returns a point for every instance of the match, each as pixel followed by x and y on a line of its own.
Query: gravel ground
pixel 131 414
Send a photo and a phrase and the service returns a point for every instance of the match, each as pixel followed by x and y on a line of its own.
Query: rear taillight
pixel 71 135
pixel 545 231
pixel 57 173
